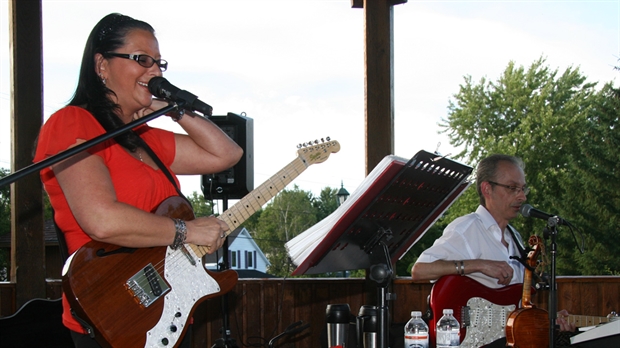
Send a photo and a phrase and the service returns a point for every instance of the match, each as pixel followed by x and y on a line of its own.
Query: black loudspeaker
pixel 237 181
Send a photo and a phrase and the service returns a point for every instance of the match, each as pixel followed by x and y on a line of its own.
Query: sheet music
pixel 395 205
pixel 600 331
pixel 300 247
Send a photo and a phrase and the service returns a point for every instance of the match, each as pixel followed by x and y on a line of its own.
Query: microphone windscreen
pixel 525 210
pixel 160 87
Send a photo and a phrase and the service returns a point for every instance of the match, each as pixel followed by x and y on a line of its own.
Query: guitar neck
pixel 254 200
pixel 586 320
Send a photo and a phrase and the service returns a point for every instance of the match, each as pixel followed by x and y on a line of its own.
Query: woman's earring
pixel 102 78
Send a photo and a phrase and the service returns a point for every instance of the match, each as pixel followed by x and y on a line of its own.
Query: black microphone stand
pixel 85 145
pixel 226 341
pixel 381 272
pixel 551 232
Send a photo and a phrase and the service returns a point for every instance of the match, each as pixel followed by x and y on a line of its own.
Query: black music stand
pixel 376 227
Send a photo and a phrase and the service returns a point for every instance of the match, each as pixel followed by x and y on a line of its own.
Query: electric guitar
pixel 144 297
pixel 481 311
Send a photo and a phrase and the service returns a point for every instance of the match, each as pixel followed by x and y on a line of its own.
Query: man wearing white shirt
pixel 480 244
pixel 482 240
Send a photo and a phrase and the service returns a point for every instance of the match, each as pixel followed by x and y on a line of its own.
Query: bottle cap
pixel 416 313
pixel 447 311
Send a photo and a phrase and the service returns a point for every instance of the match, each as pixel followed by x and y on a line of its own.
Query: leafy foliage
pixel 592 186
pixel 326 203
pixel 200 205
pixel 563 129
pixel 290 213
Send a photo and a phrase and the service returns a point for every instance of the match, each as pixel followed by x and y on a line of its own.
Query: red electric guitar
pixel 481 311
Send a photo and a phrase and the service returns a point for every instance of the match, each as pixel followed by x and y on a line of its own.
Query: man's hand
pixel 562 321
pixel 499 270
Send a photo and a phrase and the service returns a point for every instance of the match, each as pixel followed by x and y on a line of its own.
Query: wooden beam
pixel 27 240
pixel 379 87
pixel 360 3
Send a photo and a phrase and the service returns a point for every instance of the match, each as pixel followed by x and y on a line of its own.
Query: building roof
pixel 49 233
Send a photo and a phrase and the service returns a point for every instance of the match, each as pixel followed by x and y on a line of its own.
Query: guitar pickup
pixel 147 285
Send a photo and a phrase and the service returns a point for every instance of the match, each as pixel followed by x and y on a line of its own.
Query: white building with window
pixel 244 256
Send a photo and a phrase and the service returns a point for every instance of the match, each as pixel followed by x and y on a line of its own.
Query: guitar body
pixel 528 328
pixel 456 291
pixel 140 297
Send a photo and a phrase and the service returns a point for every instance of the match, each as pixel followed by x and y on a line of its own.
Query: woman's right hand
pixel 207 231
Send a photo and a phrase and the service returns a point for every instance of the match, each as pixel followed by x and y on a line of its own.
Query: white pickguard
pixel 189 283
pixel 485 322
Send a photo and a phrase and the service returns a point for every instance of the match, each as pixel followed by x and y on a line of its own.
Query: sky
pixel 296 67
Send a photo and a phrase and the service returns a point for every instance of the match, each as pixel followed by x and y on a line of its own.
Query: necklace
pixel 140 155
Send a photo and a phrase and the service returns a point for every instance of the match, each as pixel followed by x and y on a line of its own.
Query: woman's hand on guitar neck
pixel 207 231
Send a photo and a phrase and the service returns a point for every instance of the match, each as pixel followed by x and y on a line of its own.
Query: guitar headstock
pixel 317 151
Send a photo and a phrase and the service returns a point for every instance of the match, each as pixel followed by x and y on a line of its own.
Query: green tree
pixel 539 115
pixel 200 205
pixel 290 213
pixel 592 185
pixel 326 203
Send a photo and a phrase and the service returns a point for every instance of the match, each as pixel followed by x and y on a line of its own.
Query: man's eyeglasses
pixel 142 59
pixel 512 188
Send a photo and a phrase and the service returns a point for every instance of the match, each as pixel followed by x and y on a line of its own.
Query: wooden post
pixel 378 92
pixel 27 240
pixel 378 78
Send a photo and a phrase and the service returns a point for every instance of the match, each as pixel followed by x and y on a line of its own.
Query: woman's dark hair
pixel 91 93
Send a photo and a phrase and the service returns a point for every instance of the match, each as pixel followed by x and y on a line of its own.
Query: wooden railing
pixel 260 309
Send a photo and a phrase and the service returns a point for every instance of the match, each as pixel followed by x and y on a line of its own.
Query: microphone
pixel 529 211
pixel 161 88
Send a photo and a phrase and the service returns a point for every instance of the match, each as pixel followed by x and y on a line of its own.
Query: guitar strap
pixel 161 166
pixel 518 242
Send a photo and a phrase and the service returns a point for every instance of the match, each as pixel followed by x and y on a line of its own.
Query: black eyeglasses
pixel 512 188
pixel 142 59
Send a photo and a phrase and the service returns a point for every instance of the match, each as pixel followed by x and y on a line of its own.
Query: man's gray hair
pixel 487 170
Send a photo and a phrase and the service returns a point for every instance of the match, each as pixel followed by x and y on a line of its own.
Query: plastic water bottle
pixel 448 330
pixel 416 331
